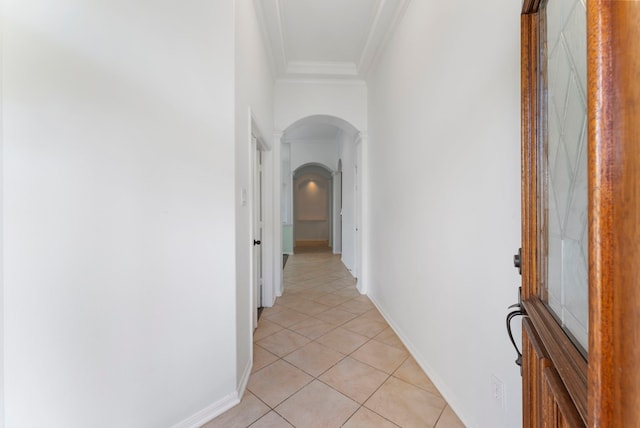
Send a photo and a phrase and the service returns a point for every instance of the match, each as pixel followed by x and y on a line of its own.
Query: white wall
pixel 324 152
pixel 444 196
pixel 119 280
pixel 254 92
pixel 2 400
pixel 295 100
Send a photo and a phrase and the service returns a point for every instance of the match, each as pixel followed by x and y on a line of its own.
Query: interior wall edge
pixel 447 393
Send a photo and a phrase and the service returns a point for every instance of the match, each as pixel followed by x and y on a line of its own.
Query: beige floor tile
pixel 406 405
pixel 373 314
pixel 310 307
pixel 283 342
pixel 365 418
pixel 316 406
pixel 335 316
pixel 357 307
pixel 354 379
pixel 330 289
pixel 342 340
pixel 365 326
pixel 382 357
pixel 266 312
pixel 411 372
pixel 364 299
pixel 291 300
pixel 312 328
pixel 304 329
pixel 276 382
pixel 349 291
pixel 287 317
pixel 249 410
pixel 314 358
pixel 389 337
pixel 332 299
pixel 312 293
pixel 449 419
pixel 262 358
pixel 271 420
pixel 265 328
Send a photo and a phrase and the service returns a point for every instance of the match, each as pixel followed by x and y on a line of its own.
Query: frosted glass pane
pixel 566 167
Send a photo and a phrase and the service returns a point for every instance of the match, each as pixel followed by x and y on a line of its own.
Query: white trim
pixel 449 396
pixel 322 81
pixel 322 68
pixel 244 380
pixel 362 259
pixel 281 35
pixel 219 407
pixel 264 30
pixel 276 225
pixel 384 24
pixel 369 50
pixel 269 261
pixel 2 302
pixel 268 231
pixel 210 412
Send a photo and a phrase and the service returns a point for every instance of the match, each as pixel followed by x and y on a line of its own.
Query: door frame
pixel 614 205
pixel 605 389
pixel 361 213
pixel 257 141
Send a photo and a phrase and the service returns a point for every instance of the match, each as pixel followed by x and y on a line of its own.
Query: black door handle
pixel 511 315
pixel 257 242
pixel 517 261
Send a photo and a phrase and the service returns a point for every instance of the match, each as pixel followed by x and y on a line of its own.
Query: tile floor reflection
pixel 325 357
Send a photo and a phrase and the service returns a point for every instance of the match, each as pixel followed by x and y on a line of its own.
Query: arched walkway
pixel 332 143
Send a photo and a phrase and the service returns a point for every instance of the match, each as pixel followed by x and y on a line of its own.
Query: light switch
pixel 243 197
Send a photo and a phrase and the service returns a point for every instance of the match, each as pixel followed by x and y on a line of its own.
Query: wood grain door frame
pixel 614 205
pixel 606 389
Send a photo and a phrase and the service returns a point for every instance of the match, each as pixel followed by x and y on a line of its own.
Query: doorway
pixel 331 143
pixel 312 202
pixel 257 228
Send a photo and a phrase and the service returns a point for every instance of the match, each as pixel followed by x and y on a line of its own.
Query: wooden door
pixel 581 368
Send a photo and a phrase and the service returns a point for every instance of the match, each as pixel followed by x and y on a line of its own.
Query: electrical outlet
pixel 497 391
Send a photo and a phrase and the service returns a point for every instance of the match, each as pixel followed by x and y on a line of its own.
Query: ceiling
pixel 338 39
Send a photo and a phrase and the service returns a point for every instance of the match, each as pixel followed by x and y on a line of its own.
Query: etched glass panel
pixel 565 167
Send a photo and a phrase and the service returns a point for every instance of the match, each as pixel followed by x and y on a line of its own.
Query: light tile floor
pixel 325 357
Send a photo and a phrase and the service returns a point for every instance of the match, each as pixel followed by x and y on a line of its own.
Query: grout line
pixel 299 293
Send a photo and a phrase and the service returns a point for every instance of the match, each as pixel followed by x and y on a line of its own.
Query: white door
pixel 257 230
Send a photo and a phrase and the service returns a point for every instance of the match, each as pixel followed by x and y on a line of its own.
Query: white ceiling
pixel 326 38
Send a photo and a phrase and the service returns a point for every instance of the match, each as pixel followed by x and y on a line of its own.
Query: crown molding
pixel 389 13
pixel 322 68
pixel 271 18
pixel 320 81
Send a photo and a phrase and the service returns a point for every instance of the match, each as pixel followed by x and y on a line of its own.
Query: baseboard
pixel 216 409
pixel 210 412
pixel 244 380
pixel 439 383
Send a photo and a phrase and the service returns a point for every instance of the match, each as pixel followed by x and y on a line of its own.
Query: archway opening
pixel 331 143
pixel 312 208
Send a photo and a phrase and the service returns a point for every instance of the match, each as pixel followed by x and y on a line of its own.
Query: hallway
pixel 325 357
